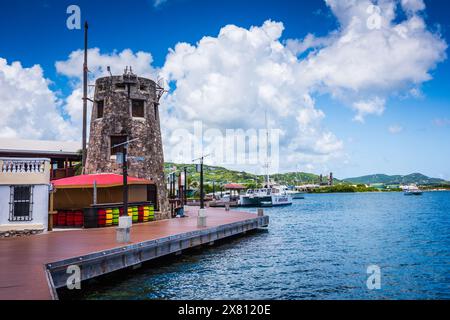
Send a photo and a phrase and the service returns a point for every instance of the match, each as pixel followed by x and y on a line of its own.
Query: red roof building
pixel 234 186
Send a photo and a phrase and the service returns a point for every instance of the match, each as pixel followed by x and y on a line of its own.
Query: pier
pixel 33 268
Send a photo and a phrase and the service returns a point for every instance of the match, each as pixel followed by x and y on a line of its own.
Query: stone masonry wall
pixel 117 121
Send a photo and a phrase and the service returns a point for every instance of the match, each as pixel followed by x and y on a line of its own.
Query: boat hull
pixel 415 193
pixel 269 201
pixel 281 200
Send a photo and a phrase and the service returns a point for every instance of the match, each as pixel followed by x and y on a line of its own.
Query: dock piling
pixel 201 219
pixel 123 232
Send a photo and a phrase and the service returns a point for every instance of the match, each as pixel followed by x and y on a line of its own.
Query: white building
pixel 24 194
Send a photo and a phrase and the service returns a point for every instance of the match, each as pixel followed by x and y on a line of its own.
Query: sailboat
pixel 269 196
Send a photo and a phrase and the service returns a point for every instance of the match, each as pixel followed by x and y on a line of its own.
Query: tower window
pixel 155 106
pixel 100 105
pixel 115 140
pixel 137 108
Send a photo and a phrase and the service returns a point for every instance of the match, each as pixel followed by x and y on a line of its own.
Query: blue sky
pixel 411 135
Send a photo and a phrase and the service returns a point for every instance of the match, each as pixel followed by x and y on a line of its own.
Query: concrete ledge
pixel 21 227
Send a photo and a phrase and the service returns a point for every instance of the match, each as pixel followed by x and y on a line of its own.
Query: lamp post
pixel 125 221
pixel 125 173
pixel 201 220
pixel 185 187
pixel 202 191
pixel 85 98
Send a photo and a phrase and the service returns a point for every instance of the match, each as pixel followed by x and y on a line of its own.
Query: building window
pixel 21 203
pixel 115 140
pixel 137 108
pixel 100 106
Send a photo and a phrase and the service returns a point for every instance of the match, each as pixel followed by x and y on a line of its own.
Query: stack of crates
pixel 109 218
pixel 142 214
pixel 61 218
pixel 151 212
pixel 69 218
pixel 101 217
pixel 135 214
pixel 116 214
pixel 55 219
pixel 78 219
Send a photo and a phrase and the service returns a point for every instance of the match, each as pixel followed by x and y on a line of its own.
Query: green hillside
pixel 417 178
pixel 222 176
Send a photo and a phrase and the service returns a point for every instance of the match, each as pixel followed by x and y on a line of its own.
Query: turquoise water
pixel 319 248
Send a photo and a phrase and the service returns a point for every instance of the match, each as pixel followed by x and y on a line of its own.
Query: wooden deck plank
pixel 22 260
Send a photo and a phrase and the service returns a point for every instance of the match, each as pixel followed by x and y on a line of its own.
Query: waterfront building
pixel 126 108
pixel 379 186
pixel 24 190
pixel 63 155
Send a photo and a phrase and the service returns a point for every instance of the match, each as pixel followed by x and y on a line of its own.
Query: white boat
pixel 412 190
pixel 265 197
pixel 296 195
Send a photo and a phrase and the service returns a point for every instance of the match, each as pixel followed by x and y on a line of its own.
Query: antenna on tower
pixel 160 89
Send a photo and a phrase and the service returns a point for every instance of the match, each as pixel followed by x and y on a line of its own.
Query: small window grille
pixel 21 203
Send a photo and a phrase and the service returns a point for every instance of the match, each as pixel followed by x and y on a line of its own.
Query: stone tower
pixel 126 107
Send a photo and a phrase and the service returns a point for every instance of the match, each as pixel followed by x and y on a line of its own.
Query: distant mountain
pixel 222 176
pixel 416 178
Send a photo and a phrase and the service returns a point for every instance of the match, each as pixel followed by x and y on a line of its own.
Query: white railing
pixel 9 165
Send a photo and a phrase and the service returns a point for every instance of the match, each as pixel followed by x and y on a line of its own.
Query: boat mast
pixel 267 149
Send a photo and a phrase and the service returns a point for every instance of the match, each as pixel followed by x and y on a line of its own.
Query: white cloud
pixel 230 80
pixel 357 61
pixel 373 106
pixel 29 108
pixel 413 6
pixel 98 63
pixel 395 129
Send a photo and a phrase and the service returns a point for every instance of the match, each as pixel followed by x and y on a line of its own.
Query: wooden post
pixel 51 211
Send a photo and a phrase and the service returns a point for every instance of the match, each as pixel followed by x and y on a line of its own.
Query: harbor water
pixel 318 248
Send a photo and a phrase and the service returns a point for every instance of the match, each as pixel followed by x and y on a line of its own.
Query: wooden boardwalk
pixel 24 262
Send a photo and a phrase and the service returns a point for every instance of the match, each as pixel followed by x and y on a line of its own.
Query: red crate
pixel 62 218
pixel 55 219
